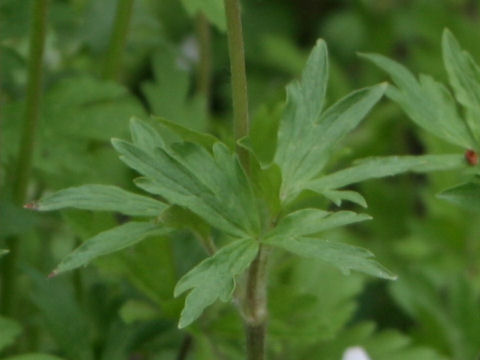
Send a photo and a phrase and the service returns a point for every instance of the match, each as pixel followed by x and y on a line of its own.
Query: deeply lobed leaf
pixel 214 278
pixel 427 102
pixel 463 72
pixel 307 136
pixel 186 174
pixel 464 76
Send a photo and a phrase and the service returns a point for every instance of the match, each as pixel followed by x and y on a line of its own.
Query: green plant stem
pixel 255 304
pixel 118 39
pixel 256 311
pixel 239 77
pixel 204 69
pixel 27 143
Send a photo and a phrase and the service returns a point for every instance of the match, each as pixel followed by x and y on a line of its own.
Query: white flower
pixel 355 353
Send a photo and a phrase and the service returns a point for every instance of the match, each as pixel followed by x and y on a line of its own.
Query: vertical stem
pixel 118 39
pixel 204 69
pixel 256 311
pixel 239 77
pixel 27 142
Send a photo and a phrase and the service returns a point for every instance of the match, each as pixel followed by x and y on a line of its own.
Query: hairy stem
pixel 204 69
pixel 255 302
pixel 27 143
pixel 118 39
pixel 239 77
pixel 256 311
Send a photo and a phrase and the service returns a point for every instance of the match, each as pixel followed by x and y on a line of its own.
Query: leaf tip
pixel 31 205
pixel 115 141
pixel 446 33
pixel 53 274
pixel 320 42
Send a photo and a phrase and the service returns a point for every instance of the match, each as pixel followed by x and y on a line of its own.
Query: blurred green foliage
pixel 122 307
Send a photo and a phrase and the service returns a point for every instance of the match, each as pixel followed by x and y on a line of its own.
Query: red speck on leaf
pixel 472 157
pixel 31 205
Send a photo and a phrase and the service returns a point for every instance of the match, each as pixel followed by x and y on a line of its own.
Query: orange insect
pixel 472 157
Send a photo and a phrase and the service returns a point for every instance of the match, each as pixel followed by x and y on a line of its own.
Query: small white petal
pixel 355 353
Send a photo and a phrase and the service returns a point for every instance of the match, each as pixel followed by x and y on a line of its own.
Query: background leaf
pixel 464 195
pixel 33 357
pixel 213 10
pixel 10 331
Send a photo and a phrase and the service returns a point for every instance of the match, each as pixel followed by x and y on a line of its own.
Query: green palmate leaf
pixel 463 72
pixel 10 330
pixel 372 168
pixel 311 221
pixel 213 187
pixel 86 107
pixel 108 242
pixel 188 134
pixel 77 112
pixel 344 257
pixel 213 10
pixel 101 198
pixel 307 136
pixel 305 101
pixel 465 195
pixel 214 278
pixel 428 103
pixel 464 76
